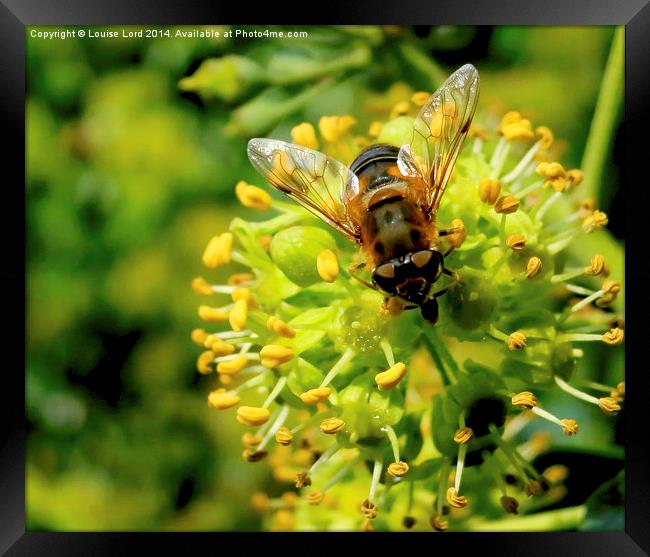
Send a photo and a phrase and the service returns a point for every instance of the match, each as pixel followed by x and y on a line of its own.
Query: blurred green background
pixel 129 176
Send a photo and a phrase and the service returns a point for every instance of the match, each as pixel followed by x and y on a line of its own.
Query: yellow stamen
pixel 305 135
pixel 369 509
pixel 525 399
pixel 333 128
pixel 284 436
pixel 463 435
pixel 315 497
pixel 516 242
pixel 399 109
pixel 545 137
pixel 420 98
pixel 569 427
pixel 390 378
pixel 222 399
pixel 614 337
pixel 550 170
pixel 279 327
pixel 260 502
pixel 521 129
pixel 303 480
pixel 375 129
pixel 609 405
pixel 252 416
pixel 238 315
pixel 252 197
pixel 314 396
pixel 250 440
pixel 234 366
pixel 596 220
pixel 597 266
pixel 204 362
pixel 274 355
pixel 239 279
pixel 212 315
pixel 327 265
pixel 250 455
pixel 398 469
pixel 219 347
pixel 610 290
pixel 575 176
pixel 517 341
pixel 456 239
pixel 240 293
pixel 438 524
pixel 533 267
pixel 201 286
pixel 489 190
pixel 556 473
pixel 506 204
pixel 199 336
pixel 332 426
pixel 218 250
pixel 455 500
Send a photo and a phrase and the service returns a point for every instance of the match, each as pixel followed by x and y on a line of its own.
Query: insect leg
pixel 353 270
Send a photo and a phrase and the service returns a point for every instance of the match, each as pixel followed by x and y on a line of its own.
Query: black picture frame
pixel 16 14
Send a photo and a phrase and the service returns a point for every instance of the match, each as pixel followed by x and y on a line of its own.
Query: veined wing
pixel 438 133
pixel 320 183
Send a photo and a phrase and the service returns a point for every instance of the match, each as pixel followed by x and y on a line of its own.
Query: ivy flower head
pixel 341 406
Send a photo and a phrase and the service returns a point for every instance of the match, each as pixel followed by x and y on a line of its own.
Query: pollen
pixel 614 337
pixel 369 509
pixel 525 399
pixel 575 177
pixel 398 469
pixel 328 265
pixel 331 426
pixel 250 440
pixel 516 242
pixel 252 197
pixel 455 500
pixel 517 341
pixel 305 135
pixel 303 480
pixel 240 279
pixel 506 204
pixel 240 293
pixel 219 347
pixel 533 267
pixel 390 378
pixel 218 250
pixel 222 399
pixel 314 396
pixel 333 128
pixel 238 315
pixel 284 436
pixel 509 504
pixel 520 129
pixel 489 190
pixel 201 286
pixel 204 362
pixel 250 455
pixel 438 524
pixel 252 416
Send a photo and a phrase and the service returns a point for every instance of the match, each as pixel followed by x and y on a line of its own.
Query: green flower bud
pixel 397 132
pixel 227 78
pixel 295 250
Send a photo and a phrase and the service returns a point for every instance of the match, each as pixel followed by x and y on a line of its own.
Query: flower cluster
pixel 337 390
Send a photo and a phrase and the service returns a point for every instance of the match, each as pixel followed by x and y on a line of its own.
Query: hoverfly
pixel 386 201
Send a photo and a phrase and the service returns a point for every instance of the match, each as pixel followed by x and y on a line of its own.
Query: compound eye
pixel 387 271
pixel 421 258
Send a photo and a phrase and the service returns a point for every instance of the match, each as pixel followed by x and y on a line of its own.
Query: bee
pixel 386 200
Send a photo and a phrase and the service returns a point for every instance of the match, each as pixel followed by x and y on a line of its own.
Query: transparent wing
pixel 438 133
pixel 320 183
